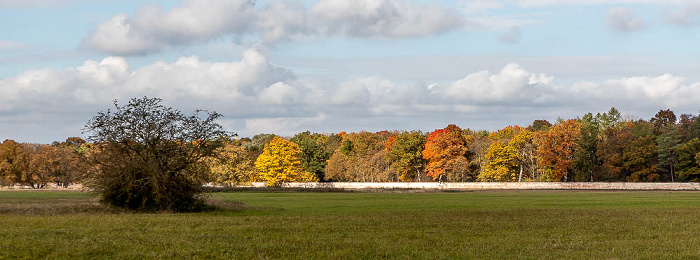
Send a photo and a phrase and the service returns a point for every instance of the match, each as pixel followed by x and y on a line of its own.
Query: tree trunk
pixel 520 176
pixel 670 163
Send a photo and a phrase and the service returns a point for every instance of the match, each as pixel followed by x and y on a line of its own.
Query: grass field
pixel 354 225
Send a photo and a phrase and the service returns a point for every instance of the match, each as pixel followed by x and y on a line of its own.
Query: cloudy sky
pixel 286 66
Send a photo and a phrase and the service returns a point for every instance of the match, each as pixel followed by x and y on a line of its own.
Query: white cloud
pixel 686 15
pixel 186 79
pixel 195 21
pixel 351 93
pixel 279 93
pixel 383 18
pixel 380 96
pixel 511 84
pixel 254 94
pixel 662 91
pixel 152 28
pixel 623 19
pixel 283 20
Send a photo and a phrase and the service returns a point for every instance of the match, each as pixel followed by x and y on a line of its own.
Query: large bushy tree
pixel 148 156
pixel 314 153
pixel 446 150
pixel 231 165
pixel 556 148
pixel 280 162
pixel 14 163
pixel 404 151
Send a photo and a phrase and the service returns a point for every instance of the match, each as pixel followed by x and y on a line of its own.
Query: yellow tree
pixel 510 155
pixel 502 163
pixel 231 165
pixel 281 162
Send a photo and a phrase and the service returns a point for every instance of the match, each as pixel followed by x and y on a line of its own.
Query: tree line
pixel 600 147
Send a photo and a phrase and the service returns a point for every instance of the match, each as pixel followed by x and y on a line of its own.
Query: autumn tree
pixel 14 163
pixel 360 157
pixel 340 167
pixel 53 164
pixel 502 165
pixel 556 148
pixel 280 162
pixel 231 165
pixel 404 151
pixel 510 156
pixel 148 156
pixel 445 150
pixel 476 150
pixel 662 119
pixel 610 153
pixel 66 162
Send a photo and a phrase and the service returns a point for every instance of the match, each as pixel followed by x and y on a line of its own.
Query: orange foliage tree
pixel 445 151
pixel 556 148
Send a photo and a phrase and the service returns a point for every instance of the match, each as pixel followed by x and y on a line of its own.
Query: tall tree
pixel 668 142
pixel 502 165
pixel 556 148
pixel 361 150
pixel 405 154
pixel 314 154
pixel 662 119
pixel 610 152
pixel 14 163
pixel 231 165
pixel 510 156
pixel 610 119
pixel 688 168
pixel 640 155
pixel 446 150
pixel 280 162
pixel 476 151
pixel 585 158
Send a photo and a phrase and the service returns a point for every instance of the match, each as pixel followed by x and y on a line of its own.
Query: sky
pixel 287 66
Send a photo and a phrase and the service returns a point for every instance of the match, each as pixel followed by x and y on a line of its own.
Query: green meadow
pixel 359 225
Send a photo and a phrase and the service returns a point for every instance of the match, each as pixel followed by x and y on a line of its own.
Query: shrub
pixel 147 156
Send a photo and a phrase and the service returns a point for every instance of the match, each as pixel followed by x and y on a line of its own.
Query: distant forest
pixel 603 147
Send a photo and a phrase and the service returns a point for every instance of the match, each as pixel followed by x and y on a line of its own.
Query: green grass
pixel 355 225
